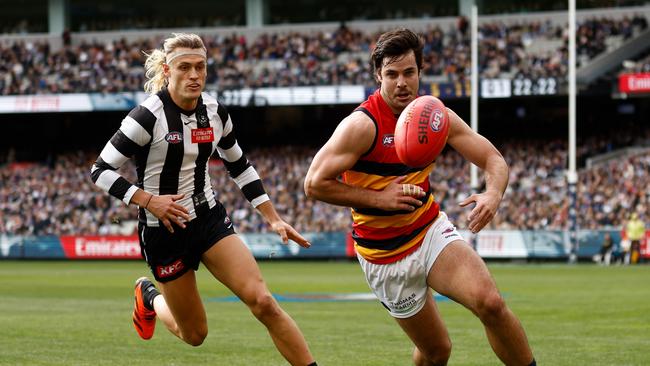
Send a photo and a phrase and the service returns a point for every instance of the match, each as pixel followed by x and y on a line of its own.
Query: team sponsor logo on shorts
pixel 170 269
pixel 449 232
pixel 174 137
pixel 388 140
pixel 403 305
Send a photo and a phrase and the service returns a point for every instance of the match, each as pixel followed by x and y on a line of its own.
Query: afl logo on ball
pixel 174 137
pixel 436 120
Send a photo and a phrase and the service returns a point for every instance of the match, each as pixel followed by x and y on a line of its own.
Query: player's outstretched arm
pixel 281 227
pixel 478 150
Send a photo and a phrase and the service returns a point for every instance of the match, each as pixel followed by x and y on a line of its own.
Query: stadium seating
pixel 58 198
pixel 337 57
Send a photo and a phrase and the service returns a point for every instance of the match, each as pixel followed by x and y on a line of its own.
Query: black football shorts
pixel 170 255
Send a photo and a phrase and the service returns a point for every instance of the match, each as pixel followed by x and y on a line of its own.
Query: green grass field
pixel 78 313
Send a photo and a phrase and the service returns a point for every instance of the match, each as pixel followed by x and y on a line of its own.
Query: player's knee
pixel 196 336
pixel 491 307
pixel 435 356
pixel 441 355
pixel 264 306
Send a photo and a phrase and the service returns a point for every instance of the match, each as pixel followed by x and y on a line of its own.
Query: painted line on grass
pixel 318 297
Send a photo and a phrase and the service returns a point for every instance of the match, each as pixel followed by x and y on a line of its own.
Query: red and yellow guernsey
pixel 387 236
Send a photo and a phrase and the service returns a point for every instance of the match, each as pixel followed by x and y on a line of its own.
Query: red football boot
pixel 144 319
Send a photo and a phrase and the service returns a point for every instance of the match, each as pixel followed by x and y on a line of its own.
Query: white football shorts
pixel 402 286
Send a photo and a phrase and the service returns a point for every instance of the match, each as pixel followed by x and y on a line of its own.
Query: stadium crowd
pixel 57 197
pixel 22 26
pixel 205 16
pixel 304 59
pixel 640 66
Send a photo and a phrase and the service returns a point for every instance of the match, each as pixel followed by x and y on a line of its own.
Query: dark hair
pixel 396 43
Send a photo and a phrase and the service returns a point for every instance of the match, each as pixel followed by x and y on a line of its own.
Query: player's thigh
pixel 460 274
pixel 232 263
pixel 426 328
pixel 184 302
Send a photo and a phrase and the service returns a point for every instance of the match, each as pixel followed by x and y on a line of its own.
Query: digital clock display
pixel 505 88
pixel 541 86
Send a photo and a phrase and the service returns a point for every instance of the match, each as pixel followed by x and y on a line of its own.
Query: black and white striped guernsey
pixel 159 136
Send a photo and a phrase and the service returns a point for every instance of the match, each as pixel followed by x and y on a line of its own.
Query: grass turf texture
pixel 79 313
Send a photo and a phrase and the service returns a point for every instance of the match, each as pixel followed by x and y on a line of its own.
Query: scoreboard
pixel 494 88
pixel 518 87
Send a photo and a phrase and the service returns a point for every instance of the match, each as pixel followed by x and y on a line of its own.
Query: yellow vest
pixel 635 229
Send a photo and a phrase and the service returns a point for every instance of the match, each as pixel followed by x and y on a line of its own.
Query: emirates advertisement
pixel 634 83
pixel 101 247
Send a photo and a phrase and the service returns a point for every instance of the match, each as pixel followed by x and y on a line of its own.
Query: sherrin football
pixel 421 131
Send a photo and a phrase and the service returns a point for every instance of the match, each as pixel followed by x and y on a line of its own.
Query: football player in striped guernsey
pixel 171 136
pixel 405 244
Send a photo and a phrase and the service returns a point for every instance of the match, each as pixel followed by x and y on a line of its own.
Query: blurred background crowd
pixel 57 197
pixel 527 49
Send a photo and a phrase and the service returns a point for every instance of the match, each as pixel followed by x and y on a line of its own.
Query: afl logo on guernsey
pixel 174 137
pixel 388 140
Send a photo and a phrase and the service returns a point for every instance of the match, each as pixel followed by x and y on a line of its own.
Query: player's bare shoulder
pixel 356 132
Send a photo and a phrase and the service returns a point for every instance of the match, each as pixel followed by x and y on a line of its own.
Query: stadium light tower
pixel 572 175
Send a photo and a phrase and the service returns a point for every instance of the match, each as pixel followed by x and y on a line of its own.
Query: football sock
pixel 313 364
pixel 533 363
pixel 149 294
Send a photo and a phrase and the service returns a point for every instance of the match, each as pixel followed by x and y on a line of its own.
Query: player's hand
pixel 401 197
pixel 168 211
pixel 287 232
pixel 486 207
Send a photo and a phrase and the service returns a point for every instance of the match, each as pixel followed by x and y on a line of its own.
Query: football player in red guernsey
pixel 406 246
